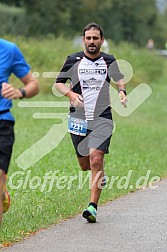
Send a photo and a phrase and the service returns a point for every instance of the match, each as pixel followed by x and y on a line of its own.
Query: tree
pixel 133 20
pixel 49 16
pixel 17 3
pixel 63 17
pixel 86 11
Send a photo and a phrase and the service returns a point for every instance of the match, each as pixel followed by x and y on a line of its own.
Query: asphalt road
pixel 136 222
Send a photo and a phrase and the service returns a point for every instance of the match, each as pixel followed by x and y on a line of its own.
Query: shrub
pixel 12 20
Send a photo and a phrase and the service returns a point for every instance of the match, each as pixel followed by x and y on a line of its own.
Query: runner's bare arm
pixel 30 87
pixel 75 99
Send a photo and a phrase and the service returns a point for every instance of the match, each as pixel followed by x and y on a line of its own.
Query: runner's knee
pixel 96 161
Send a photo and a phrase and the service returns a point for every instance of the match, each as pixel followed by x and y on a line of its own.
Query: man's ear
pixel 102 40
pixel 83 39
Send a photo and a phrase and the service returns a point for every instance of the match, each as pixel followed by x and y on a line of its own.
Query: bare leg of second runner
pixel 93 162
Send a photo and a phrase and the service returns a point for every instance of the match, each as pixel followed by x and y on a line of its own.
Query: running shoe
pixel 5 197
pixel 90 214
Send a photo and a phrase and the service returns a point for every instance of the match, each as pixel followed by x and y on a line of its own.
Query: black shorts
pixel 6 143
pixel 98 137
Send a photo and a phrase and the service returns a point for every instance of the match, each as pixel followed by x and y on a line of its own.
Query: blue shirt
pixel 11 61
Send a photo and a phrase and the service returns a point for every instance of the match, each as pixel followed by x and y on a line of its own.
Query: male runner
pixel 90 119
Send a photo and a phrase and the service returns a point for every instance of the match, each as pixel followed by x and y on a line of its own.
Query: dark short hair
pixel 95 26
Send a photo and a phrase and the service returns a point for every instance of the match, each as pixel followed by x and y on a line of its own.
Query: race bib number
pixel 77 126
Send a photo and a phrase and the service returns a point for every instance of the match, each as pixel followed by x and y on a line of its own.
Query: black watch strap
pixel 123 90
pixel 22 90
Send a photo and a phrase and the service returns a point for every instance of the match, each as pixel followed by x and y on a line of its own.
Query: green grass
pixel 138 144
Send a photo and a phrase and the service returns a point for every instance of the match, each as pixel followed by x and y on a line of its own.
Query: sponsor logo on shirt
pixel 92 71
pixel 92 84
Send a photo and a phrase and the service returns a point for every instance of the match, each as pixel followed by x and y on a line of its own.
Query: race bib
pixel 77 126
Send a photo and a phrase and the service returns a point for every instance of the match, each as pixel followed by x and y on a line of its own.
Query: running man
pixel 90 119
pixel 11 61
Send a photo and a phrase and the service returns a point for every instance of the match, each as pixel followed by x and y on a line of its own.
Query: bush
pixel 12 20
pixel 147 65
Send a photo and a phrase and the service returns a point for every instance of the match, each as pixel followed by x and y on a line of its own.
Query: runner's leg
pixel 84 163
pixel 96 165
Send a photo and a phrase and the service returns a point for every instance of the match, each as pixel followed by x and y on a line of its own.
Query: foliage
pixel 48 17
pixel 12 20
pixel 160 32
pixel 133 20
pixel 17 3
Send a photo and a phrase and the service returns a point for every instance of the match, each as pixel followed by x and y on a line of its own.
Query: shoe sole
pixel 87 215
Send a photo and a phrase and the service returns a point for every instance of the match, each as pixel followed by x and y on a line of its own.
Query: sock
pixel 93 204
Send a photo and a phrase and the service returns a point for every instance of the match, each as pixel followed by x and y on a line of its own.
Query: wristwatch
pixel 22 90
pixel 123 90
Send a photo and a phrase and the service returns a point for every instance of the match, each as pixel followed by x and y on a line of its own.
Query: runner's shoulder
pixel 76 56
pixel 108 57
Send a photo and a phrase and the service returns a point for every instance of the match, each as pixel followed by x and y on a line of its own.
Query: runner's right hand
pixel 77 101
